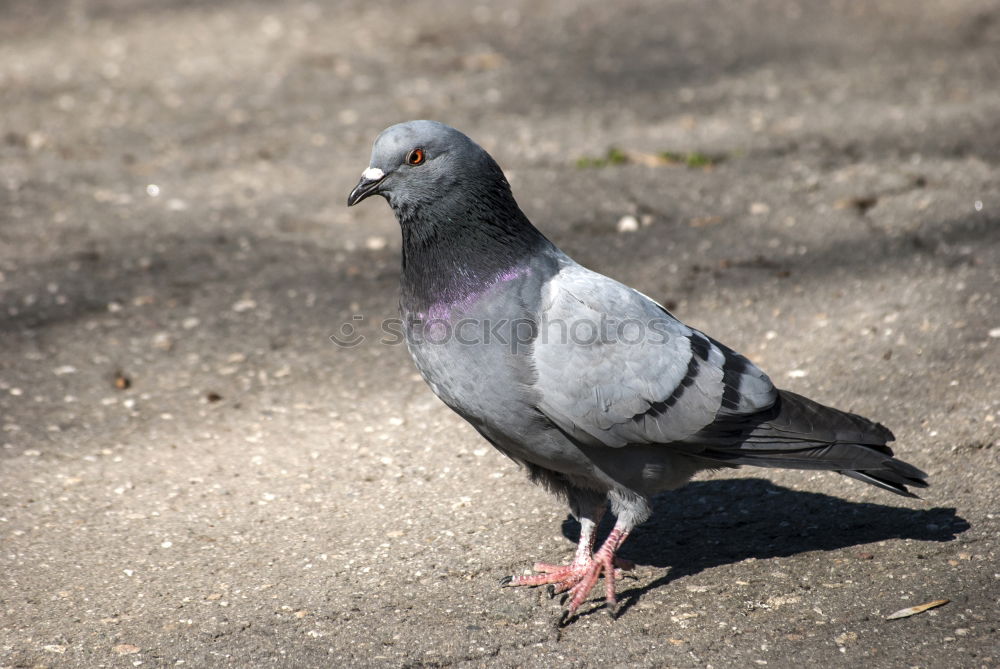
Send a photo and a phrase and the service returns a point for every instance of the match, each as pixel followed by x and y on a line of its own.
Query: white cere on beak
pixel 372 174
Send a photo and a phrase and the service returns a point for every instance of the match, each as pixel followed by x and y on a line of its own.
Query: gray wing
pixel 615 368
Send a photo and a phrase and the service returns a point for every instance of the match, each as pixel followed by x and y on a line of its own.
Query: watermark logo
pixel 348 336
pixel 517 334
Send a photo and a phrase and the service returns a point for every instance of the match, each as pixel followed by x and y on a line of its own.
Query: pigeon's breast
pixel 477 360
pixel 472 351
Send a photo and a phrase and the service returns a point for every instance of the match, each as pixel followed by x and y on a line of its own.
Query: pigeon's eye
pixel 415 157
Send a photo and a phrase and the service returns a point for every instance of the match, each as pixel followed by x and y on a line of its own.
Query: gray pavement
pixel 193 474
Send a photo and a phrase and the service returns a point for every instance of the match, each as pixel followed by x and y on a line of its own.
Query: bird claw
pixel 579 577
pixel 575 581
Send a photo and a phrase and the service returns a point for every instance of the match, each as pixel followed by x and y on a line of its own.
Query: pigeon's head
pixel 418 164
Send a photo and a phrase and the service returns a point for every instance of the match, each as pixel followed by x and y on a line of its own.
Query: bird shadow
pixel 707 524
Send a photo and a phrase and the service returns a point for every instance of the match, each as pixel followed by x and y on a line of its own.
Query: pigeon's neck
pixel 453 254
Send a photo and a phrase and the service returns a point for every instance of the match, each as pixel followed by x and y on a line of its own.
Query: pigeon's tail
pixel 799 433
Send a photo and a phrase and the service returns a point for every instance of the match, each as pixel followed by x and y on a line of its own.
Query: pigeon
pixel 598 391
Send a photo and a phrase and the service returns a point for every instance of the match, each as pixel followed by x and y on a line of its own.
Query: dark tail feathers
pixel 798 433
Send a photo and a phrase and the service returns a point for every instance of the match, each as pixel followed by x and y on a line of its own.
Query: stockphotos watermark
pixel 513 333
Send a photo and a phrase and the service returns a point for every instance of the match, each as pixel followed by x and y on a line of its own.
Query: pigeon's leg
pixel 604 560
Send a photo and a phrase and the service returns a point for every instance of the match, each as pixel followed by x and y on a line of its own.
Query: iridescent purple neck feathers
pixel 455 305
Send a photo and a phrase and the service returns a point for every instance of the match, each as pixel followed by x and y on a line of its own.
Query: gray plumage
pixel 544 369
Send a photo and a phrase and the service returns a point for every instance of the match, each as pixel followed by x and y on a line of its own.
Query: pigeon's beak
pixel 370 180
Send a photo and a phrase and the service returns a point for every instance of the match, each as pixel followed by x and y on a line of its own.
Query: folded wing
pixel 615 368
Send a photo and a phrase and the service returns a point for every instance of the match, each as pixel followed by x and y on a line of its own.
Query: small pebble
pixel 628 224
pixel 163 341
pixel 246 304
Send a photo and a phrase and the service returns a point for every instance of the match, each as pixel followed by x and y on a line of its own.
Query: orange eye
pixel 415 157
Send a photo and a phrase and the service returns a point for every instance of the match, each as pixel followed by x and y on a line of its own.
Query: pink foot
pixel 580 576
